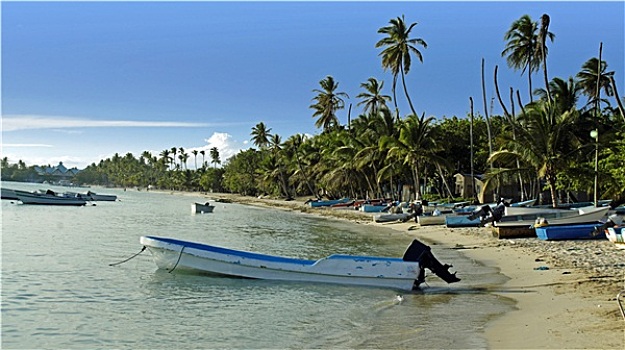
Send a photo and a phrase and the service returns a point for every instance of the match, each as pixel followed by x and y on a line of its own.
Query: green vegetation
pixel 546 145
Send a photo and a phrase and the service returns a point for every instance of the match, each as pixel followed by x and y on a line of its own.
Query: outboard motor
pixel 422 254
pixel 482 212
pixel 613 220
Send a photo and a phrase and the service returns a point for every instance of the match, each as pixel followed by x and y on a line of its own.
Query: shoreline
pixel 565 291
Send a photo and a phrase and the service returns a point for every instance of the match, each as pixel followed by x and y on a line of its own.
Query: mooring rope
pixel 123 261
pixel 177 261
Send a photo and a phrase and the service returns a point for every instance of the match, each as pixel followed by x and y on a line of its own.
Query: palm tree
pixel 260 135
pixel 590 76
pixel 294 143
pixel 328 101
pixel 195 152
pixel 182 156
pixel 165 156
pixel 174 151
pixel 203 153
pixel 543 35
pixel 396 54
pixel 214 154
pixel 521 47
pixel 372 98
pixel 564 93
pixel 545 140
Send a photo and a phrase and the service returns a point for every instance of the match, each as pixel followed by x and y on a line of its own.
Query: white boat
pixel 201 208
pixel 562 217
pixel 49 198
pixel 425 220
pixel 405 273
pixel 390 217
pixel 101 197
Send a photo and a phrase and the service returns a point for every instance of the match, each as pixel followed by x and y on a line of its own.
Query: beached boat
pixel 569 232
pixel 462 221
pixel 615 235
pixel 201 208
pixel 555 217
pixel 92 196
pixel 49 198
pixel 425 220
pixel 391 217
pixel 327 203
pixel 405 273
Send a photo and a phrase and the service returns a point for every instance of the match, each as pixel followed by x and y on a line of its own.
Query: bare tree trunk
pixel 473 194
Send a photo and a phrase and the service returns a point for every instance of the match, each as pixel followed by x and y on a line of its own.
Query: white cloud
pixel 225 144
pixel 22 145
pixel 29 122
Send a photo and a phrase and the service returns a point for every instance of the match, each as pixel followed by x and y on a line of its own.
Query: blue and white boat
pixel 462 221
pixel 405 273
pixel 570 232
pixel 616 236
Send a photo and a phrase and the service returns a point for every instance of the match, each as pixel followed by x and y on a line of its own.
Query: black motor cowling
pixel 422 254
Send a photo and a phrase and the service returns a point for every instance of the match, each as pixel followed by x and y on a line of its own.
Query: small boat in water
pixel 201 208
pixel 405 273
pixel 49 198
pixel 327 203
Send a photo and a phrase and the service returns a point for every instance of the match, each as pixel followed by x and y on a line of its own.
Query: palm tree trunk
pixel 473 194
pixel 403 80
pixel 544 27
pixel 618 98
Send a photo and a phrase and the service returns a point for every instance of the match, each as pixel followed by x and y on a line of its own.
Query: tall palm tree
pixel 203 153
pixel 372 98
pixel 327 102
pixel 195 152
pixel 165 155
pixel 214 154
pixel 174 151
pixel 182 156
pixel 590 76
pixel 543 35
pixel 398 46
pixel 260 135
pixel 521 48
pixel 275 144
pixel 294 143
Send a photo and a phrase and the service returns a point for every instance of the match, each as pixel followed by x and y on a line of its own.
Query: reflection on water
pixel 58 290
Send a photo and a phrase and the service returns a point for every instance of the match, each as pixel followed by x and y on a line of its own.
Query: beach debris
pixel 541 268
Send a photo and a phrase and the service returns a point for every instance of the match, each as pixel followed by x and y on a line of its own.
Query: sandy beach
pixel 565 291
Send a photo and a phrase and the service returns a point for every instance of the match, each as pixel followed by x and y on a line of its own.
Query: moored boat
pixel 555 217
pixel 201 208
pixel 404 273
pixel 49 198
pixel 391 217
pixel 425 220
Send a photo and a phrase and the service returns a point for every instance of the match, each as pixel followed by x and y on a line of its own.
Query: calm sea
pixel 58 290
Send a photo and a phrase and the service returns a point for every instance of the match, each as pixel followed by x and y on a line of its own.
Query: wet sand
pixel 565 291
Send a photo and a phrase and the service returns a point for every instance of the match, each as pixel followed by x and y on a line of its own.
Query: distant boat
pixel 569 232
pixel 49 198
pixel 462 221
pixel 405 273
pixel 201 208
pixel 390 217
pixel 92 196
pixel 327 203
pixel 425 220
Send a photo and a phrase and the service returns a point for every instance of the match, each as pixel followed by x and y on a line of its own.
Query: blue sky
pixel 82 81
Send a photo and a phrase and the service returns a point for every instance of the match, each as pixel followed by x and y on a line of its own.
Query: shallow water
pixel 58 290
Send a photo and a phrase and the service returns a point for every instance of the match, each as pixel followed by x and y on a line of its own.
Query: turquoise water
pixel 58 290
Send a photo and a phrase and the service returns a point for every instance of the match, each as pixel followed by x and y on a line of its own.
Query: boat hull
pixel 390 217
pixel 461 221
pixel 170 254
pixel 569 232
pixel 578 216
